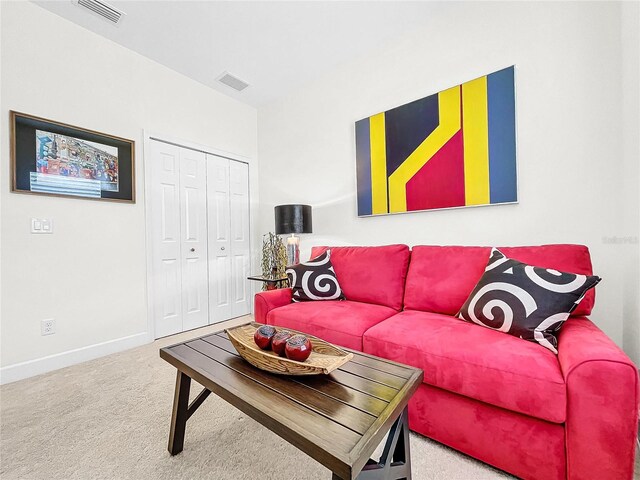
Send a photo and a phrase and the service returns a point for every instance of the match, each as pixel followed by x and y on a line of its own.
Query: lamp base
pixel 293 250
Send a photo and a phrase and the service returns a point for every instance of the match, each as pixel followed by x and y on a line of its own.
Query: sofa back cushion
pixel 441 278
pixel 370 274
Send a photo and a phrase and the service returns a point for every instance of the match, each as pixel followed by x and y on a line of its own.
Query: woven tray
pixel 324 357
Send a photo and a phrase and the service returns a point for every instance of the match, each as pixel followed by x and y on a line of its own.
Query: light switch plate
pixel 41 225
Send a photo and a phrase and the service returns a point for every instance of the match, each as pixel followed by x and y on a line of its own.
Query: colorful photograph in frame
pixel 455 148
pixel 53 158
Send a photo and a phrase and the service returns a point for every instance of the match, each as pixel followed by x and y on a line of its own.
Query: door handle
pixel 221 248
pixel 193 249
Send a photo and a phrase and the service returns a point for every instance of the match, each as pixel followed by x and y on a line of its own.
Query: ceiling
pixel 275 46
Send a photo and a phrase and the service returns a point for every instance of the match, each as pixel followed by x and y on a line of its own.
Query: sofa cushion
pixel 441 278
pixel 523 300
pixel 339 322
pixel 371 274
pixel 474 361
pixel 314 280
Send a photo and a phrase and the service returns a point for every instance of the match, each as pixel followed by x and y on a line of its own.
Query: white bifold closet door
pixel 178 235
pixel 229 247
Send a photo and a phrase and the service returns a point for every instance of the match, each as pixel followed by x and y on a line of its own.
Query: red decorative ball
pixel 279 342
pixel 298 348
pixel 263 336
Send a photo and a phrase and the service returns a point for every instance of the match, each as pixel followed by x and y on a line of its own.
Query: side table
pixel 271 281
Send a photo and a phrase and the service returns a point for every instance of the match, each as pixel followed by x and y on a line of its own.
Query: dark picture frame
pixel 57 159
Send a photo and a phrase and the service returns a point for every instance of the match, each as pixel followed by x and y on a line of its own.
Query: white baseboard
pixel 19 371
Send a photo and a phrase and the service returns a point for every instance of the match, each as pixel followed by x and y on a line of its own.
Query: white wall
pixel 90 275
pixel 630 80
pixel 569 145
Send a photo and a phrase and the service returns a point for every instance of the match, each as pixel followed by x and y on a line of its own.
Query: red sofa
pixel 508 402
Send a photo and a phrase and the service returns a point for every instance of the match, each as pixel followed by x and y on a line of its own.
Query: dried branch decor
pixel 274 256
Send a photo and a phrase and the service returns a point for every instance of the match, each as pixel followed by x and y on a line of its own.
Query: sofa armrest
pixel 602 403
pixel 264 302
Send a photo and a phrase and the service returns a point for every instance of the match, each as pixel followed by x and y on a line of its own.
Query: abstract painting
pixel 455 148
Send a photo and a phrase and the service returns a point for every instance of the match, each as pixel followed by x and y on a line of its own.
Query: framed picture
pixel 53 158
pixel 455 148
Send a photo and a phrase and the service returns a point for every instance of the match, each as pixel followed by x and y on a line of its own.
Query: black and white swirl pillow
pixel 314 280
pixel 525 301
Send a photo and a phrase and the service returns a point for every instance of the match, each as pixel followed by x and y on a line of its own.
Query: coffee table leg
pixel 395 462
pixel 180 413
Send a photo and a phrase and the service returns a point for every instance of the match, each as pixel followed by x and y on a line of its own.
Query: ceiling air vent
pixel 233 82
pixel 102 9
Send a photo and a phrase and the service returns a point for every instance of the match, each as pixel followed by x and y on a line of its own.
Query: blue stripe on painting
pixel 502 136
pixel 363 166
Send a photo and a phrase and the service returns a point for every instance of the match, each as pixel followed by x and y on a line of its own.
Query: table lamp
pixel 293 219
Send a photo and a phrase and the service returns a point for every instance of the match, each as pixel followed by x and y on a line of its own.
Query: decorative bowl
pixel 324 357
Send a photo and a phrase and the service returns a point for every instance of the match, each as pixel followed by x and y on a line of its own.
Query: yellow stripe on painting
pixel 476 141
pixel 449 113
pixel 378 165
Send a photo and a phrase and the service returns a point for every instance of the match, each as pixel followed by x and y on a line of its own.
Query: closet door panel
pixel 220 267
pixel 193 227
pixel 165 238
pixel 240 237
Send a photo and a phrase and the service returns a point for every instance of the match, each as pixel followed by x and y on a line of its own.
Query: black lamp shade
pixel 293 219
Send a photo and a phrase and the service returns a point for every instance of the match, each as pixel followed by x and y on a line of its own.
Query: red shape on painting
pixel 440 181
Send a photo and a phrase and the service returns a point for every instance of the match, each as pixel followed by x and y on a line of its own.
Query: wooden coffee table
pixel 338 419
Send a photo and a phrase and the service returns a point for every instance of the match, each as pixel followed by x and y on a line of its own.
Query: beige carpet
pixel 109 419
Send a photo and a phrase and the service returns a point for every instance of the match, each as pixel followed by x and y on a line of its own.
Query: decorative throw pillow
pixel 525 301
pixel 314 280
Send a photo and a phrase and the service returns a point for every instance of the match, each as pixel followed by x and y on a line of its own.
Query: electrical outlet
pixel 48 326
